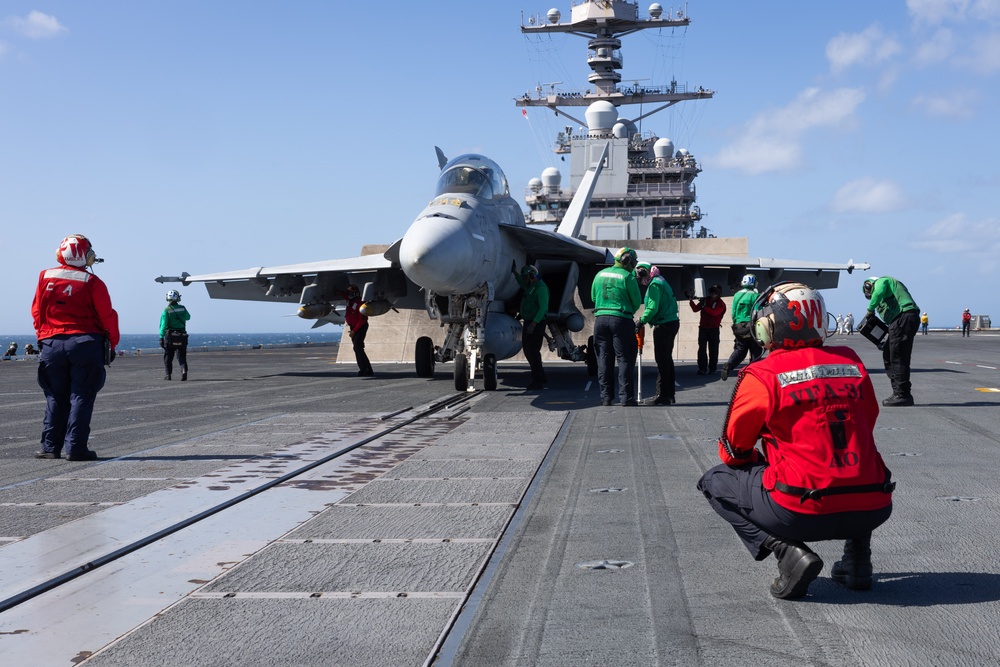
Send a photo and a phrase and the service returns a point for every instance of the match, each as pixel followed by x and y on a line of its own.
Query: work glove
pixel 638 326
pixel 113 356
pixel 530 328
pixel 162 345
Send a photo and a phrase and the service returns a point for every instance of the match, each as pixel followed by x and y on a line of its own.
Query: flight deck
pixel 276 509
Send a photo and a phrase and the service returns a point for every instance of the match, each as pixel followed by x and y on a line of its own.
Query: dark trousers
pixel 168 358
pixel 664 336
pixel 708 349
pixel 70 373
pixel 614 338
pixel 531 345
pixel 358 339
pixel 738 495
pixel 897 350
pixel 741 346
pixel 966 326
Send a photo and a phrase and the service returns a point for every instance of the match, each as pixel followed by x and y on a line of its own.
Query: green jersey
pixel 174 317
pixel 615 291
pixel 534 301
pixel 890 298
pixel 660 304
pixel 743 302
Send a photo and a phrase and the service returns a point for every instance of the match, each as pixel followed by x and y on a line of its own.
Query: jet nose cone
pixel 437 254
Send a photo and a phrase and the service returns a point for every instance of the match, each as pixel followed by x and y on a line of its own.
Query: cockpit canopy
pixel 473 174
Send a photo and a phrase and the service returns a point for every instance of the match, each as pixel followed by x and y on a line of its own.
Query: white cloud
pixel 984 54
pixel 36 25
pixel 933 12
pixel 958 105
pixel 869 47
pixel 867 195
pixel 772 140
pixel 956 234
pixel 936 49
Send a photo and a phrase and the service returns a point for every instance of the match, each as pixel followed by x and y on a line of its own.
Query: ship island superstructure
pixel 646 189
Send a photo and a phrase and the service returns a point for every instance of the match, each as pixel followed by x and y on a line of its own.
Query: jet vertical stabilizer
pixel 573 220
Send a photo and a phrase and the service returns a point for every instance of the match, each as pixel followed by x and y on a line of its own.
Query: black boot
pixel 797 568
pixel 854 570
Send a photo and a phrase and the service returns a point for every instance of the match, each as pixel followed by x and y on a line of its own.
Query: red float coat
pixel 69 300
pixel 814 411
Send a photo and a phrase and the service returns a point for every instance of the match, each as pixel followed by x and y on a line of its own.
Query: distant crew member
pixel 173 335
pixel 840 324
pixel 966 323
pixel 849 324
pixel 712 310
pixel 11 350
pixel 534 307
pixel 743 342
pixel 77 330
pixel 818 475
pixel 30 349
pixel 893 303
pixel 924 321
pixel 357 325
pixel 615 292
pixel 660 312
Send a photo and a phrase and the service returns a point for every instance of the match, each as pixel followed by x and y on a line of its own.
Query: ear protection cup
pixel 763 327
pixel 763 331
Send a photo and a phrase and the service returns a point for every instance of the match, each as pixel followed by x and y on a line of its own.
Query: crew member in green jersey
pixel 892 301
pixel 616 297
pixel 534 307
pixel 660 312
pixel 173 335
pixel 743 341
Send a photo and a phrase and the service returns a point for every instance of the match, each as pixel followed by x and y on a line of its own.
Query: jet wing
pixel 543 244
pixel 285 283
pixel 716 268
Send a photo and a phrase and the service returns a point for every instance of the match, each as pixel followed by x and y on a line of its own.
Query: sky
pixel 212 136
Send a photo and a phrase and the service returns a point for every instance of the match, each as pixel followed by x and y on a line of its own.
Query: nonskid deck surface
pixel 368 559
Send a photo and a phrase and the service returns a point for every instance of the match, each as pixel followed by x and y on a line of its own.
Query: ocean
pixel 200 341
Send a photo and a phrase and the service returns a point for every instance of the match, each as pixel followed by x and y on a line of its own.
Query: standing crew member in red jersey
pixel 818 475
pixel 357 323
pixel 712 309
pixel 73 321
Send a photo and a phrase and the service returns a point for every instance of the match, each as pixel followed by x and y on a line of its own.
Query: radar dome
pixel 535 185
pixel 553 16
pixel 551 178
pixel 601 117
pixel 624 129
pixel 663 149
pixel 682 153
pixel 656 10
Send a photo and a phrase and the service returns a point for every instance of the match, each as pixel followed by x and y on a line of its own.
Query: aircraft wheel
pixel 490 372
pixel 425 357
pixel 461 372
pixel 591 357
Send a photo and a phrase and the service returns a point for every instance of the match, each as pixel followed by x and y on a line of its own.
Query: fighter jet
pixel 455 261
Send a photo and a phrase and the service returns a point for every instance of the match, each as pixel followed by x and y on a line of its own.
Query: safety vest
pixel 819 444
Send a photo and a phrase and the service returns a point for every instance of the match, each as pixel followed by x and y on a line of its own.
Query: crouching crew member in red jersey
pixel 818 475
pixel 74 321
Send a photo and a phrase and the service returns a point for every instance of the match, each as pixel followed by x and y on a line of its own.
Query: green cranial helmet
pixel 529 272
pixel 868 286
pixel 626 258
